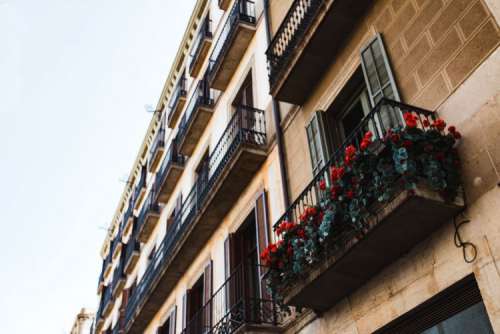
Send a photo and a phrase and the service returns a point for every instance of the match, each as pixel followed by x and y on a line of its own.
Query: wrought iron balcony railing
pixel 205 34
pixel 202 97
pixel 128 218
pixel 246 127
pixel 119 276
pixel 393 222
pixel 132 250
pixel 235 303
pixel 180 92
pixel 289 35
pixel 107 300
pixel 140 187
pixel 242 11
pixel 148 216
pixel 157 148
pixel 165 178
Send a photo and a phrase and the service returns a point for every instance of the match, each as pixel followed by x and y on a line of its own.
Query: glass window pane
pixel 472 320
pixel 380 63
pixel 371 71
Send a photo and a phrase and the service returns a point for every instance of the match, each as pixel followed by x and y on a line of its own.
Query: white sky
pixel 74 78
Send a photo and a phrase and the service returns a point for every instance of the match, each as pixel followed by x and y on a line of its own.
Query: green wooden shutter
pixel 316 137
pixel 380 80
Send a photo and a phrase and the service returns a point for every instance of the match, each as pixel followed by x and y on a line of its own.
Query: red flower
pixel 407 143
pixel 350 151
pixel 364 144
pixel 322 185
pixel 439 124
pixel 349 194
pixel 311 211
pixel 457 135
pixel 410 119
pixel 337 173
pixel 395 137
pixel 426 123
pixel 368 135
pixel 273 248
pixel 452 129
pixel 301 233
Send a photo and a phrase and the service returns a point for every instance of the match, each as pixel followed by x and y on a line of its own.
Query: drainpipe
pixel 277 122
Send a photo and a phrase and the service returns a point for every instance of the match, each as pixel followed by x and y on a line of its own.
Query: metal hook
pixel 459 243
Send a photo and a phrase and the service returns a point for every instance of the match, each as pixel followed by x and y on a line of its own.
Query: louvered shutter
pixel 317 139
pixel 262 229
pixel 172 321
pixel 380 80
pixel 207 294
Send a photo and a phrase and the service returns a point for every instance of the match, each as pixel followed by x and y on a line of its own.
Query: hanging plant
pixel 366 176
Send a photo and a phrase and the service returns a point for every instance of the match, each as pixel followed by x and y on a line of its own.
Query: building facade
pixel 83 322
pixel 316 167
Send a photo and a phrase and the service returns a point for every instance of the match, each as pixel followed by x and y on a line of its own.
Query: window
pixel 245 94
pixel 456 310
pixel 327 131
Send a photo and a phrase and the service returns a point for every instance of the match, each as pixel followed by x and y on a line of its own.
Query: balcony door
pixel 197 304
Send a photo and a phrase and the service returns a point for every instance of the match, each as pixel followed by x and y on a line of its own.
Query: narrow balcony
pixel 100 283
pixel 231 166
pixel 108 261
pixel 169 173
pixel 224 4
pixel 99 319
pixel 195 118
pixel 108 301
pixel 128 218
pixel 157 149
pixel 148 217
pixel 307 41
pixel 119 277
pixel 232 43
pixel 140 188
pixel 132 251
pixel 200 48
pixel 384 190
pixel 236 306
pixel 116 245
pixel 177 102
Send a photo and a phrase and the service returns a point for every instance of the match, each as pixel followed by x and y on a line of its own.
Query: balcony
pixel 169 173
pixel 128 218
pixel 235 307
pixel 177 102
pixel 99 320
pixel 148 217
pixel 380 195
pixel 107 301
pixel 201 46
pixel 298 56
pixel 232 43
pixel 108 261
pixel 224 4
pixel 100 283
pixel 195 118
pixel 119 277
pixel 132 251
pixel 140 188
pixel 231 166
pixel 157 149
pixel 116 245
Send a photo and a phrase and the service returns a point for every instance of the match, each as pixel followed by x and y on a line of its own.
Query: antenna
pixel 149 108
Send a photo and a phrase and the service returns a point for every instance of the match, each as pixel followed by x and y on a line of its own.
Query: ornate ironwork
pixel 290 33
pixel 246 127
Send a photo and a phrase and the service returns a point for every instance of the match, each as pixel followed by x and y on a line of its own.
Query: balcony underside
pixel 175 112
pixel 132 261
pixel 235 177
pixel 118 288
pixel 140 197
pixel 224 4
pixel 148 226
pixel 404 222
pixel 117 250
pixel 195 129
pixel 127 229
pixel 227 65
pixel 108 308
pixel 107 271
pixel 156 159
pixel 318 49
pixel 172 175
pixel 202 54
